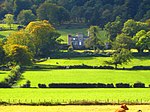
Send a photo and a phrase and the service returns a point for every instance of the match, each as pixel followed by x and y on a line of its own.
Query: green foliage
pixel 131 27
pixel 9 19
pixel 142 40
pixel 25 17
pixel 120 56
pixel 13 77
pixel 55 14
pixel 18 54
pixel 123 41
pixel 114 28
pixel 44 37
pixel 94 41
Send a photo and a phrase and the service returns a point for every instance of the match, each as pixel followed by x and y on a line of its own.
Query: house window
pixel 80 43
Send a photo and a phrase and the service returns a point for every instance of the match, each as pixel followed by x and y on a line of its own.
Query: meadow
pixel 85 76
pixel 65 96
pixel 95 61
pixel 102 108
pixel 3 74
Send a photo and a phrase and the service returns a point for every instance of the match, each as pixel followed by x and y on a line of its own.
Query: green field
pixel 97 108
pixel 95 61
pixel 65 95
pixel 85 76
pixel 7 27
pixel 3 74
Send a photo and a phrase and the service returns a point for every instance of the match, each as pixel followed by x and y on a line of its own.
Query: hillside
pixel 89 12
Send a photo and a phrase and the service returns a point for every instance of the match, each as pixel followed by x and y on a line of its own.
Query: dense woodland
pixel 90 12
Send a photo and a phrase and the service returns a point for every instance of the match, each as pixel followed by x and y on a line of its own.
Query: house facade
pixel 77 41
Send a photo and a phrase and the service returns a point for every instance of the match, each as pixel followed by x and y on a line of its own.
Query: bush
pixel 4 85
pixel 27 85
pixel 101 85
pixel 141 67
pixel 110 85
pixel 77 85
pixel 42 85
pixel 139 85
pixel 123 85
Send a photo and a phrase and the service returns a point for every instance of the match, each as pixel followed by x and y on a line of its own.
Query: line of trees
pixel 90 12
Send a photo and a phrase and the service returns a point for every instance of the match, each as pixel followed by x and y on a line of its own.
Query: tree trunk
pixel 116 66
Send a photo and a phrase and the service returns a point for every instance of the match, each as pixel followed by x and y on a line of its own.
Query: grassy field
pixel 65 32
pixel 65 95
pixel 85 76
pixel 107 108
pixel 3 74
pixel 5 26
pixel 95 61
pixel 6 31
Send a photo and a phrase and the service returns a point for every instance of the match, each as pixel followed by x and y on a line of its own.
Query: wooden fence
pixel 71 102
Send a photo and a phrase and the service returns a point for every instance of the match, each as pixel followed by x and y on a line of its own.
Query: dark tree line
pixel 91 12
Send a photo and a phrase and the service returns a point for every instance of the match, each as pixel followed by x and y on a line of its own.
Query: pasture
pixel 3 74
pixel 102 108
pixel 65 96
pixel 85 76
pixel 95 61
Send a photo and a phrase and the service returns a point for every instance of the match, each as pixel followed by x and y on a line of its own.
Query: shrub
pixel 123 85
pixel 110 85
pixel 101 85
pixel 42 85
pixel 27 85
pixel 139 85
pixel 4 85
pixel 141 67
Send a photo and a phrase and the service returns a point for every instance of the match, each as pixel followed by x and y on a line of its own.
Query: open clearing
pixel 85 76
pixel 98 108
pixel 95 61
pixel 23 95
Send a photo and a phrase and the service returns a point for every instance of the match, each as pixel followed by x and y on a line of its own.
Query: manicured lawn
pixel 85 76
pixel 98 108
pixel 65 32
pixel 3 74
pixel 96 61
pixel 65 95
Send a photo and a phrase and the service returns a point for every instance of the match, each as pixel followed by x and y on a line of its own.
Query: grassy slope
pixel 58 95
pixel 86 76
pixel 96 61
pixel 3 74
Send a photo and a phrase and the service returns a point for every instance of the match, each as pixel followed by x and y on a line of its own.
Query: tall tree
pixel 9 19
pixel 119 57
pixel 25 17
pixel 44 36
pixel 94 40
pixel 142 41
pixel 18 54
pixel 53 13
pixel 114 28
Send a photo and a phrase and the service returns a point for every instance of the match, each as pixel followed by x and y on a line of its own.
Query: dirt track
pixel 108 108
